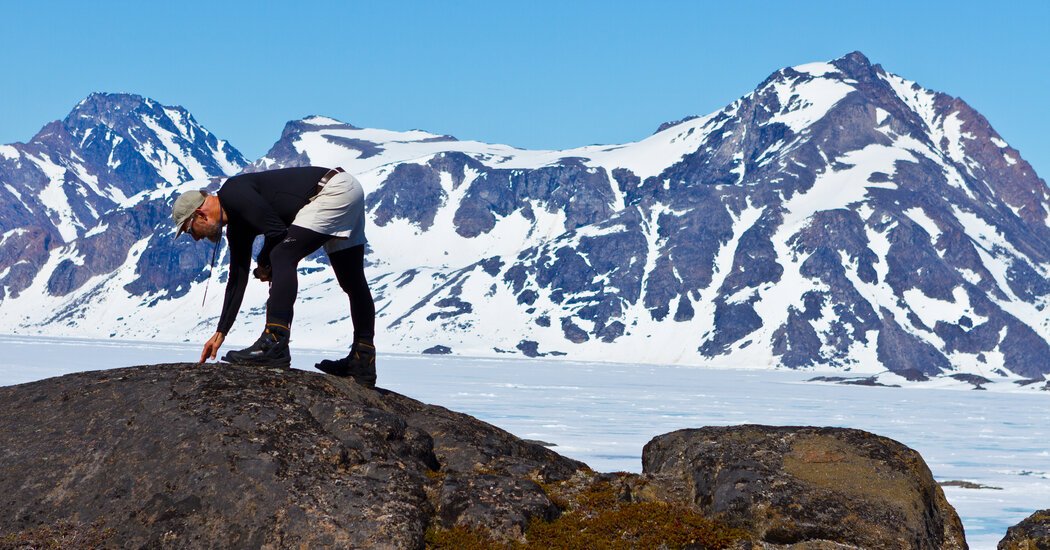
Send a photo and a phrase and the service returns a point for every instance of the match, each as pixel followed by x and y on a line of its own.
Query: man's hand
pixel 262 273
pixel 211 347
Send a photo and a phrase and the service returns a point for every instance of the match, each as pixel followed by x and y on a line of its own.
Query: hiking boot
pixel 270 350
pixel 359 365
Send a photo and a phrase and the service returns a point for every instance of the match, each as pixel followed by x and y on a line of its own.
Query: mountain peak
pixel 106 105
pixel 324 121
pixel 314 122
pixel 852 66
pixel 854 57
pixel 857 66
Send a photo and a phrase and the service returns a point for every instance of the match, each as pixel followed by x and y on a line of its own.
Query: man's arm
pixel 240 261
pixel 259 215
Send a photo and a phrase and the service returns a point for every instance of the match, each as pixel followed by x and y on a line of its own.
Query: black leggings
pixel 349 267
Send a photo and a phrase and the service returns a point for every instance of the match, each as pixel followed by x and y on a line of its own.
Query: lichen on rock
pixel 788 485
pixel 1033 533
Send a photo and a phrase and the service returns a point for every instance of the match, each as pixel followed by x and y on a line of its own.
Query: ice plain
pixel 603 413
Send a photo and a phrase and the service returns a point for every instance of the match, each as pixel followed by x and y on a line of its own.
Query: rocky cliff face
pixel 838 216
pixel 187 456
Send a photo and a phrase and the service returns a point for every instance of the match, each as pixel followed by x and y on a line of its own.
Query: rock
pixel 1031 534
pixel 183 456
pixel 187 456
pixel 795 485
pixel 967 484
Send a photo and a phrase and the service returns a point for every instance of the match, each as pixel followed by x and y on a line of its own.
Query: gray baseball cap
pixel 185 206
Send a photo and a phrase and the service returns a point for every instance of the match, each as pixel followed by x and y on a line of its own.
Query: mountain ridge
pixel 838 216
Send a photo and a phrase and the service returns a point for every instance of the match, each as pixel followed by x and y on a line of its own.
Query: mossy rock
pixel 1033 533
pixel 792 485
pixel 603 512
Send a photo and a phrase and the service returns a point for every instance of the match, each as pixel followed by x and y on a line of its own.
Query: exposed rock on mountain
pixel 187 456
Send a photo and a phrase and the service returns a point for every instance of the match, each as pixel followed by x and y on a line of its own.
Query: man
pixel 297 210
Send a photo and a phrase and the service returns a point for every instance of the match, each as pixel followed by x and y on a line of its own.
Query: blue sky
pixel 531 74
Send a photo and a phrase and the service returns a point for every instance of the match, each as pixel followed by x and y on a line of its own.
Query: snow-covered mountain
pixel 838 216
pixel 58 187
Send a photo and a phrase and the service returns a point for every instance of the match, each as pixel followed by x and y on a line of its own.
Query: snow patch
pixel 101 228
pixel 226 164
pixel 174 156
pixel 807 101
pixel 931 310
pixel 918 215
pixel 54 198
pixel 322 121
pixel 953 132
pixel 816 69
pixel 915 97
pixel 11 233
pixel 881 115
pixel 839 189
pixel 14 192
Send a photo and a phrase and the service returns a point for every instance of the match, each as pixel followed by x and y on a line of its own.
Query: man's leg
pixel 348 265
pixel 271 349
pixel 284 280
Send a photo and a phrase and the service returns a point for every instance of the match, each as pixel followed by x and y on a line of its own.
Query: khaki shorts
pixel 338 210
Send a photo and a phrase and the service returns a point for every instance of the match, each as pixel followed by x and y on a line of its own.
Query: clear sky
pixel 532 74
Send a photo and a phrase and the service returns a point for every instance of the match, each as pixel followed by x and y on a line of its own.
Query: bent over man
pixel 297 210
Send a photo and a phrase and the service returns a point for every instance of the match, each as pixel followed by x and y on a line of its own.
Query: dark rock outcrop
pixel 789 485
pixel 1031 534
pixel 187 456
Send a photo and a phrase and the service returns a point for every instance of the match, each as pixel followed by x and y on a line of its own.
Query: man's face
pixel 201 227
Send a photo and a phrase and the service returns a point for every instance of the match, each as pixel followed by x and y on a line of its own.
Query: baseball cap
pixel 185 206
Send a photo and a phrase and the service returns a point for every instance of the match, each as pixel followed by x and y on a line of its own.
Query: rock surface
pixel 186 456
pixel 1031 534
pixel 190 457
pixel 788 485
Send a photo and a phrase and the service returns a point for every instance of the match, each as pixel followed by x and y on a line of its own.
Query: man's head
pixel 197 213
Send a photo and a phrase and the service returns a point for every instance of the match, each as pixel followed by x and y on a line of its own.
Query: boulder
pixel 807 486
pixel 1033 533
pixel 186 456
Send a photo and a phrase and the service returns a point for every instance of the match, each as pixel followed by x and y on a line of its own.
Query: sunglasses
pixel 189 225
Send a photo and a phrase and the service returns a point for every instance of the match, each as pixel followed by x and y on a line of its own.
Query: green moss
pixel 460 538
pixel 599 515
pixel 61 534
pixel 632 525
pixel 1042 516
pixel 551 490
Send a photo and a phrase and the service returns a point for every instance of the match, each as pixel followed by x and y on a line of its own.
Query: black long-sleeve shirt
pixel 262 203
